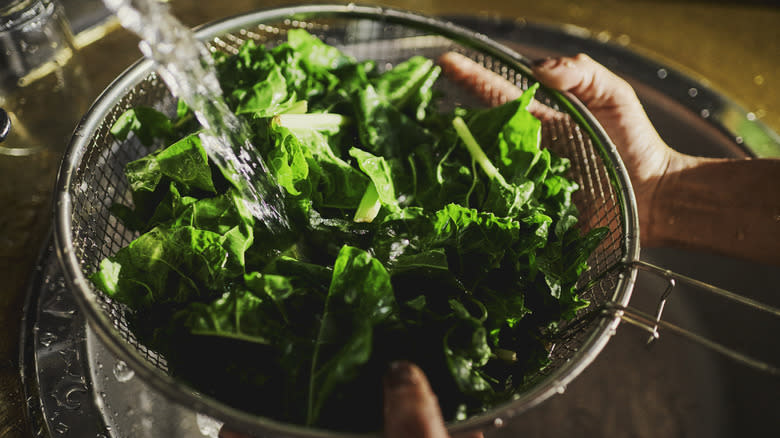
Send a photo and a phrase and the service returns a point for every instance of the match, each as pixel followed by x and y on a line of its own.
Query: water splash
pixel 187 68
pixel 122 372
pixel 57 306
pixel 47 338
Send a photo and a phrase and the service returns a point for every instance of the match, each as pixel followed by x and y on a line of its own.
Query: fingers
pixel 591 82
pixel 490 87
pixel 411 410
pixel 614 103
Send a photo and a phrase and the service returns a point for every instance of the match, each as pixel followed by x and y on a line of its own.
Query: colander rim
pixel 182 394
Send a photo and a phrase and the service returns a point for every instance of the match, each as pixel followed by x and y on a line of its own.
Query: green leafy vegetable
pixel 360 297
pixel 446 238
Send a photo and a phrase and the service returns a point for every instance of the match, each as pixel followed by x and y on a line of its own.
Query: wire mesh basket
pixel 92 179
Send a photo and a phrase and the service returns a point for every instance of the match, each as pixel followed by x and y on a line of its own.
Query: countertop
pixel 731 46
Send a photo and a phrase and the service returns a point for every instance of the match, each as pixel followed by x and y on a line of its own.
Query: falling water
pixel 186 66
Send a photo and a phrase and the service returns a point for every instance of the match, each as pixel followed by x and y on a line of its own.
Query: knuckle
pixel 581 57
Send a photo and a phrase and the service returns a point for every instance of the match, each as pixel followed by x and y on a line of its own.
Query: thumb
pixel 614 103
pixel 592 83
pixel 411 410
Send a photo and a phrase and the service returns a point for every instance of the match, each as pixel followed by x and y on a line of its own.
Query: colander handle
pixel 652 323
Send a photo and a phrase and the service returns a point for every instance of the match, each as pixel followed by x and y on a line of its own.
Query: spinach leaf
pixel 306 165
pixel 360 297
pixel 466 349
pixel 315 52
pixel 267 97
pixel 165 265
pixel 381 191
pixel 383 129
pixel 145 122
pixel 409 86
pixel 237 315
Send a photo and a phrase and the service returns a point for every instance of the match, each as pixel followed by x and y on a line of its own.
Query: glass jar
pixel 42 87
pixel 44 93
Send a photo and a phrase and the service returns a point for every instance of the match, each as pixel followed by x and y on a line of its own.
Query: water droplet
pixel 662 73
pixel 58 307
pixel 560 389
pixel 693 92
pixel 705 113
pixel 739 140
pixel 47 338
pixel 624 40
pixel 758 80
pixel 61 428
pixel 751 117
pixel 122 372
pixel 498 422
pixel 68 391
pixel 208 426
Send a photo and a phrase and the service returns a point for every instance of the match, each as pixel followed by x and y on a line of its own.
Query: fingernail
pixel 399 374
pixel 547 63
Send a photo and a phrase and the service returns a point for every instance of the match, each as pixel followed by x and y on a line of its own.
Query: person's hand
pixel 723 205
pixel 608 97
pixel 411 409
pixel 617 108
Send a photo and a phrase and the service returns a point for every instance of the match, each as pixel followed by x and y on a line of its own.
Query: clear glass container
pixel 42 86
pixel 44 92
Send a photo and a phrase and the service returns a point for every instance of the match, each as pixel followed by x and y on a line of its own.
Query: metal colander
pixel 92 179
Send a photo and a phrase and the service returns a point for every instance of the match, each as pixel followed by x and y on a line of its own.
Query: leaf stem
pixel 317 121
pixel 476 151
pixel 369 205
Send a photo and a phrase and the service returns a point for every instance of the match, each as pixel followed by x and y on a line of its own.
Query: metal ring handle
pixel 652 323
